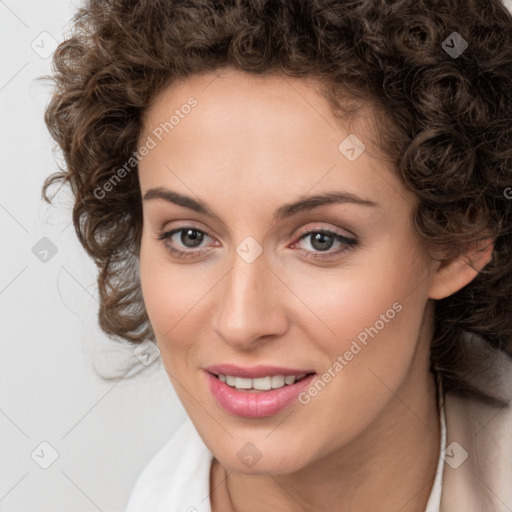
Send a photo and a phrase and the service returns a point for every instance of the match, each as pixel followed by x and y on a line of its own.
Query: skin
pixel 251 145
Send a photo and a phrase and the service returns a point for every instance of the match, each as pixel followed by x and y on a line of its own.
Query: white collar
pixel 434 501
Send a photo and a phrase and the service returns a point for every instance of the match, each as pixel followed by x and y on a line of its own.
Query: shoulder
pixel 176 479
pixel 478 455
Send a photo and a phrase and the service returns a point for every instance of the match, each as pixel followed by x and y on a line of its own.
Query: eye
pixel 190 238
pixel 322 240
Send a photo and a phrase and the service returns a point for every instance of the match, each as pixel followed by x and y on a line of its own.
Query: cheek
pixel 176 299
pixel 373 314
pixel 377 303
pixel 166 289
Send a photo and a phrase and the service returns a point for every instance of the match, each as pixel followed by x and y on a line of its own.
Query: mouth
pixel 259 384
pixel 256 392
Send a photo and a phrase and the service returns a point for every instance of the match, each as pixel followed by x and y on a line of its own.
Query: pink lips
pixel 255 404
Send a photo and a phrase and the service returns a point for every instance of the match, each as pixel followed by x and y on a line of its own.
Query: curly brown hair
pixel 445 119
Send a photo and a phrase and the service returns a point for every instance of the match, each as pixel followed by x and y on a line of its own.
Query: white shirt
pixel 177 478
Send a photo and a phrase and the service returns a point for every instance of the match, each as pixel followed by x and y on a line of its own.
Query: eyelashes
pixel 322 236
pixel 166 237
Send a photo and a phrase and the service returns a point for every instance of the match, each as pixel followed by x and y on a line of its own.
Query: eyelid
pixel 322 227
pixel 348 244
pixel 170 232
pixel 302 231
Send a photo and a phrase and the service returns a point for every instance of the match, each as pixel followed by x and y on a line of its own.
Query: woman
pixel 306 207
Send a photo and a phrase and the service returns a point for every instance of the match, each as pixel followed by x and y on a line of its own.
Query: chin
pixel 275 462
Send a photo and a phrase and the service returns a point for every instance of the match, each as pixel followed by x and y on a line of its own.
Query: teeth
pixel 261 383
pixel 241 383
pixel 289 379
pixel 278 381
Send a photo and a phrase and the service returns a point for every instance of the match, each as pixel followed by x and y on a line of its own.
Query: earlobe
pixel 455 273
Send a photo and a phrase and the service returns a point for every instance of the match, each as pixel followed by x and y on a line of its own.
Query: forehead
pixel 260 103
pixel 248 130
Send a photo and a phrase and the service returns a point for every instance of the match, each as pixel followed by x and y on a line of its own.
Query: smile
pixel 256 392
pixel 260 383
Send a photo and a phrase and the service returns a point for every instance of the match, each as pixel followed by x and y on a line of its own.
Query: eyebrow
pixel 287 210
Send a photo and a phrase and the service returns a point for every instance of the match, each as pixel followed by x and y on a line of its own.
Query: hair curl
pixel 446 126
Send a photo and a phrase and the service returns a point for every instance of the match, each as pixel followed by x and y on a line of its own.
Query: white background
pixel 104 432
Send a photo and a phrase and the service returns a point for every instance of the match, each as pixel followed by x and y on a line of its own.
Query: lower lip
pixel 256 404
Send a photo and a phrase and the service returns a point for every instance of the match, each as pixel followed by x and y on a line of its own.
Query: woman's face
pixel 252 287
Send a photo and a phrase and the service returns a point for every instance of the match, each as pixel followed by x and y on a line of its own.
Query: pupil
pixel 193 235
pixel 321 239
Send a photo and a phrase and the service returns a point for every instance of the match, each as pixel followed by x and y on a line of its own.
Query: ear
pixel 456 272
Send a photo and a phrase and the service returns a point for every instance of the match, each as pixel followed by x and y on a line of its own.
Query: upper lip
pixel 254 372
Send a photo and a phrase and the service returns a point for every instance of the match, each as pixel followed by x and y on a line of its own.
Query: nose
pixel 250 306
